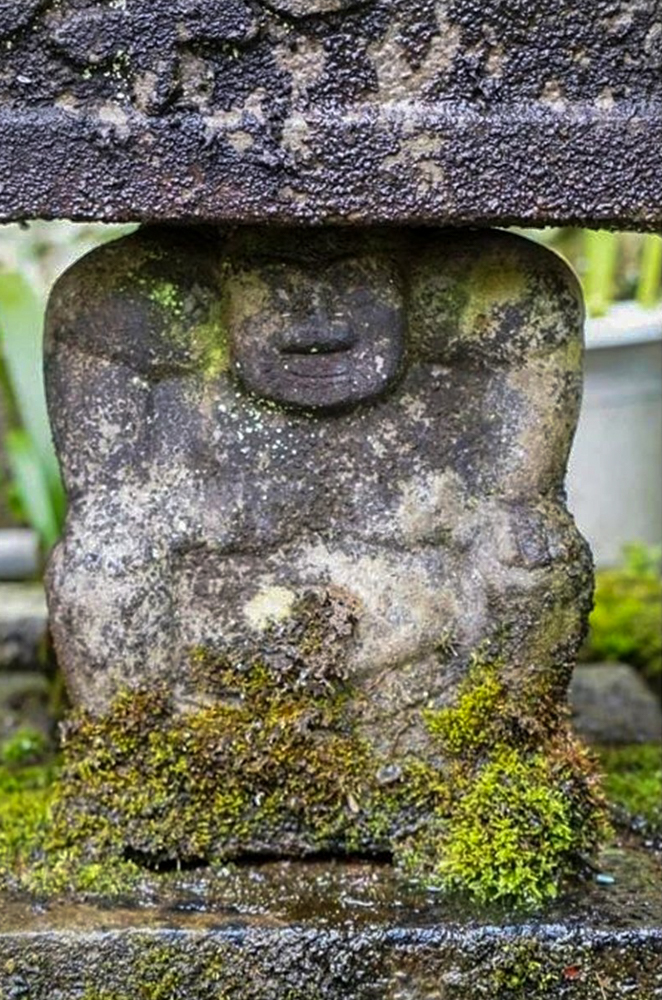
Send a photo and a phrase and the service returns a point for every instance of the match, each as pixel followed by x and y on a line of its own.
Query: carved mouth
pixel 312 365
pixel 306 344
pixel 318 355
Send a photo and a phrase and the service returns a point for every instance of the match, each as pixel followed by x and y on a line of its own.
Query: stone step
pixel 297 931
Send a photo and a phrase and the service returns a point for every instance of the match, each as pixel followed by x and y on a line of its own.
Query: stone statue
pixel 247 417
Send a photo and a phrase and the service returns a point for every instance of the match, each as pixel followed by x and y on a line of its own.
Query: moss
pixel 626 624
pixel 167 295
pixel 469 724
pixel 26 746
pixel 26 793
pixel 503 806
pixel 633 783
pixel 513 834
pixel 522 807
pixel 523 971
pixel 162 972
pixel 210 341
pixel 169 972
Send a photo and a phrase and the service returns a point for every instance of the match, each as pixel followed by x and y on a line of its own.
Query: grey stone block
pixel 24 703
pixel 23 626
pixel 458 112
pixel 19 554
pixel 611 704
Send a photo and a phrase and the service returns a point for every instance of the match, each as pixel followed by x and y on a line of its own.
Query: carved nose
pixel 332 338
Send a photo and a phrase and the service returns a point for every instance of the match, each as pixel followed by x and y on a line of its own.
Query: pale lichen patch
pixel 269 605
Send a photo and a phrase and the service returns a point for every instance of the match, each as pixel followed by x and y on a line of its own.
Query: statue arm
pixel 505 315
pixel 127 316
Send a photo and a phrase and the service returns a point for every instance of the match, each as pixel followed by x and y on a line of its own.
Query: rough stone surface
pixel 337 931
pixel 612 704
pixel 442 111
pixel 379 420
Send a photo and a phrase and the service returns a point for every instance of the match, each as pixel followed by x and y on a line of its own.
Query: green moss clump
pixel 26 793
pixel 626 624
pixel 523 970
pixel 502 806
pixel 186 789
pixel 273 763
pixel 165 972
pixel 515 833
pixel 166 295
pixel 29 784
pixel 633 783
pixel 524 807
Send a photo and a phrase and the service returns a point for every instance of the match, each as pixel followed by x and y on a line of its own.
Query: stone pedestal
pixel 335 931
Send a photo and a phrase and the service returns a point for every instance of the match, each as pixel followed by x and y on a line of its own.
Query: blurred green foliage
pixel 36 489
pixel 633 782
pixel 26 746
pixel 626 623
pixel 611 266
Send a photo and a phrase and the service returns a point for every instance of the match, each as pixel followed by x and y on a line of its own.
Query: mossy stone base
pixel 504 805
pixel 297 931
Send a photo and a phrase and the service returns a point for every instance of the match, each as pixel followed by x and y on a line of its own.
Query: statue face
pixel 320 338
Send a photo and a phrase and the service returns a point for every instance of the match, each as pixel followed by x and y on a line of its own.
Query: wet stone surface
pixel 376 422
pixel 443 111
pixel 336 931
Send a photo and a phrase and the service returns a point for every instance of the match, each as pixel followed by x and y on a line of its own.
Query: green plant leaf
pixel 32 486
pixel 21 322
pixel 601 261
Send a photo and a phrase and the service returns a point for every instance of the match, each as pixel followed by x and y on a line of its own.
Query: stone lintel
pixel 456 112
pixel 448 166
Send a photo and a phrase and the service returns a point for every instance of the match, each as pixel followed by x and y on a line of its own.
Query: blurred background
pixel 614 491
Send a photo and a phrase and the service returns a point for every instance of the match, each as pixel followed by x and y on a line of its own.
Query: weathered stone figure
pixel 379 419
pixel 318 592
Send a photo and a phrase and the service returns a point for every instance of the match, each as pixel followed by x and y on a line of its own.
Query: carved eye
pixel 309 8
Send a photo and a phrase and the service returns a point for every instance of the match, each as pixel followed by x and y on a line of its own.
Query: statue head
pixel 319 330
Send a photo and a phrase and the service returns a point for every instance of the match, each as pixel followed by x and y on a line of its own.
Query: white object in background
pixel 19 554
pixel 615 472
